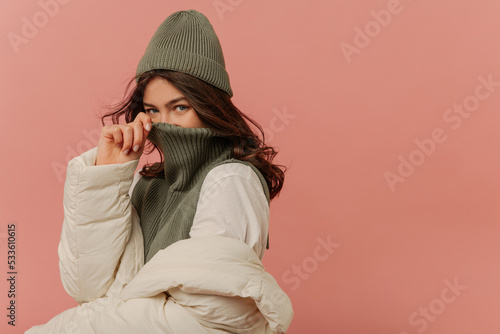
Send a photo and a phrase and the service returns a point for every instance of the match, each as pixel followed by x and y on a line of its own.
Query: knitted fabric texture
pixel 167 205
pixel 186 42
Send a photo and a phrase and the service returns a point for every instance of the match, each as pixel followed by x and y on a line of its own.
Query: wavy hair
pixel 216 110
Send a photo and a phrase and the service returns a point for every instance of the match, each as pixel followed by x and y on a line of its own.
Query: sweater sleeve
pixel 233 204
pixel 97 224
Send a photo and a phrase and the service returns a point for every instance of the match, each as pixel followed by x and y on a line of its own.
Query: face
pixel 165 103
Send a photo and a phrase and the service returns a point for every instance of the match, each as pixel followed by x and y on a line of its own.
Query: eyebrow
pixel 166 104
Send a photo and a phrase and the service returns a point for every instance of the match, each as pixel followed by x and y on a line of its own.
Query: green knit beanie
pixel 186 42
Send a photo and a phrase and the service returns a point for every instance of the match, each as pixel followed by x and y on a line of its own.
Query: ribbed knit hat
pixel 186 42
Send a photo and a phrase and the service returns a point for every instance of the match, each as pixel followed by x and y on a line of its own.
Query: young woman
pixel 177 247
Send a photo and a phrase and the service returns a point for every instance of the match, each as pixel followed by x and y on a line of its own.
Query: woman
pixel 177 248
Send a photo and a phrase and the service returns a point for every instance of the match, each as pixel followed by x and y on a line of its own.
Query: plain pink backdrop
pixel 345 90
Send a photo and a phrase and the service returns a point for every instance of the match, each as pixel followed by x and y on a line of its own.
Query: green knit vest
pixel 167 205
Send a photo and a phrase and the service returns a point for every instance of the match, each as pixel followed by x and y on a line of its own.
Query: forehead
pixel 160 89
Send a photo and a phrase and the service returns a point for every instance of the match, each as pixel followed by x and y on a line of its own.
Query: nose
pixel 164 117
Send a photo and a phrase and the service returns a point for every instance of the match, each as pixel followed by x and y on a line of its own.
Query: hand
pixel 123 143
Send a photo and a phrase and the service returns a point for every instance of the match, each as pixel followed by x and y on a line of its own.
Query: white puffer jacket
pixel 208 284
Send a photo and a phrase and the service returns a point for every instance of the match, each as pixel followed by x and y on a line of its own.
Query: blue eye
pixel 151 111
pixel 181 106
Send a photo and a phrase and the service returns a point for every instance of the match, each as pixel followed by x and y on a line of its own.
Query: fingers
pixel 144 120
pixel 129 137
pixel 142 125
pixel 138 135
pixel 134 137
pixel 116 133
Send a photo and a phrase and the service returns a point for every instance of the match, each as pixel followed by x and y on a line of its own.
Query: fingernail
pixel 136 148
pixel 148 126
pixel 126 151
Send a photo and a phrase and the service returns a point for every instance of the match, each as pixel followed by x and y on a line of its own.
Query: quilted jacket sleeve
pixel 97 223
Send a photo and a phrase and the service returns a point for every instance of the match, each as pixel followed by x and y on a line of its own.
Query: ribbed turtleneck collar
pixel 187 151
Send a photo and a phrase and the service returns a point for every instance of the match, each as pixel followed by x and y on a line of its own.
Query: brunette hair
pixel 216 110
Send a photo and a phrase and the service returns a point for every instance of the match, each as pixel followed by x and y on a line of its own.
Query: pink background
pixel 341 120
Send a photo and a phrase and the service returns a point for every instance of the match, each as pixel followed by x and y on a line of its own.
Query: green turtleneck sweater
pixel 167 205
